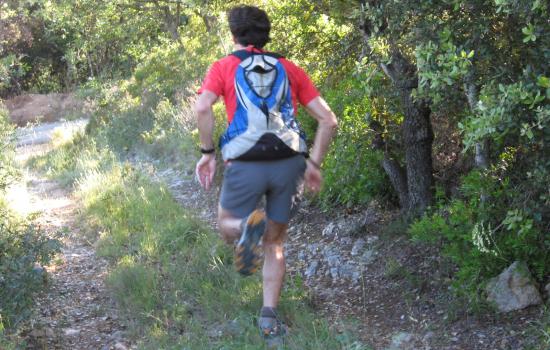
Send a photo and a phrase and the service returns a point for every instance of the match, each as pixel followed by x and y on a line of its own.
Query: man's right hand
pixel 313 178
pixel 205 170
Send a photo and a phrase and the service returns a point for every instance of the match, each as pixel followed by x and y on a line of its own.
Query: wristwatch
pixel 208 151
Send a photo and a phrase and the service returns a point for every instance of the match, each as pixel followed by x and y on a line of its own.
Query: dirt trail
pixel 75 311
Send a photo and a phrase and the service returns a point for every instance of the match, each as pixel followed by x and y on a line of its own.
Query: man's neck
pixel 242 47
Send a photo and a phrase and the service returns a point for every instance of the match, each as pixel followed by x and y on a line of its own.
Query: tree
pixel 414 181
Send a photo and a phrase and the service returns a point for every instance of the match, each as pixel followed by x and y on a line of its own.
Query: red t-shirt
pixel 220 80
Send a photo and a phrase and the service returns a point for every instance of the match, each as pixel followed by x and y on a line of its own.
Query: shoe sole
pixel 248 252
pixel 274 337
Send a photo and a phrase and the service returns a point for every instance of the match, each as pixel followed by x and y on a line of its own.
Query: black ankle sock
pixel 268 312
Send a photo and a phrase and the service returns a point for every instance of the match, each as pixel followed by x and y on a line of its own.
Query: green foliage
pixel 8 170
pixel 516 111
pixel 482 237
pixel 174 67
pixel 352 170
pixel 22 248
pixel 73 159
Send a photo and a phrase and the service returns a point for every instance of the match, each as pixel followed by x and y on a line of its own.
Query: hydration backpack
pixel 263 127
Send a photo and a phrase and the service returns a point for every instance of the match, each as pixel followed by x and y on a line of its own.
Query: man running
pixel 263 148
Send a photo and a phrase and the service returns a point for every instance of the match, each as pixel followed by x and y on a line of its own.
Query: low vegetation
pixel 172 276
pixel 24 249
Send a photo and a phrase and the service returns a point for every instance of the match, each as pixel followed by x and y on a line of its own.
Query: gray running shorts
pixel 246 182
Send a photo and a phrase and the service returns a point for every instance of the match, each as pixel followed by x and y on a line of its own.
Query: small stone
pixel 49 332
pixel 313 247
pixel 329 230
pixel 333 260
pixel 71 332
pixel 358 246
pixel 347 271
pixel 403 341
pixel 368 256
pixel 120 346
pixel 372 239
pixel 312 269
pixel 118 335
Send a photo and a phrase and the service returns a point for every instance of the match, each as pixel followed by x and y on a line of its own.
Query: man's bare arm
pixel 206 166
pixel 205 118
pixel 326 128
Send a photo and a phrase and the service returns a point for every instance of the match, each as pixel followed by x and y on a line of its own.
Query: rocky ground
pixel 75 311
pixel 395 292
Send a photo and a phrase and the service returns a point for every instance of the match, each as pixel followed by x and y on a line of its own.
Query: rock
pixel 329 230
pixel 118 335
pixel 368 256
pixel 372 239
pixel 358 246
pixel 345 241
pixel 334 273
pixel 547 290
pixel 233 328
pixel 349 271
pixel 312 248
pixel 120 346
pixel 513 289
pixel 402 341
pixel 333 260
pixel 71 332
pixel 351 226
pixel 312 269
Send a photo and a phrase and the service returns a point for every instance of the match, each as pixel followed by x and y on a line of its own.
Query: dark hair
pixel 249 26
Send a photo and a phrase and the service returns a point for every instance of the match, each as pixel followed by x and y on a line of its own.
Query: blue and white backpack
pixel 263 127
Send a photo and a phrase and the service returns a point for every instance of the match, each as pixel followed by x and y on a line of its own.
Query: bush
pixel 352 169
pixel 483 234
pixel 7 171
pixel 172 68
pixel 22 249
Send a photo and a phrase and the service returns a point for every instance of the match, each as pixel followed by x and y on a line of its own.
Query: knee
pixel 226 232
pixel 275 234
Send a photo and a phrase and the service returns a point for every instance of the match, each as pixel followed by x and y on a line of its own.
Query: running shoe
pixel 248 252
pixel 273 331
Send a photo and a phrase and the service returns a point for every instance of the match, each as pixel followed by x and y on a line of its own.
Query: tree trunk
pixel 472 95
pixel 398 179
pixel 417 135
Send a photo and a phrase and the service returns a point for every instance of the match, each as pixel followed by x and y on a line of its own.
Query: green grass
pixel 172 277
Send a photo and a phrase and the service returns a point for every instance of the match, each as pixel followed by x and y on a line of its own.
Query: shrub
pixel 7 171
pixel 483 234
pixel 352 169
pixel 22 248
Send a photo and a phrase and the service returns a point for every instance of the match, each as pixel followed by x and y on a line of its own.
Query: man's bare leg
pixel 230 227
pixel 274 263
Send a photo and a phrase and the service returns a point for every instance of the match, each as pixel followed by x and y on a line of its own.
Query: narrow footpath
pixel 75 311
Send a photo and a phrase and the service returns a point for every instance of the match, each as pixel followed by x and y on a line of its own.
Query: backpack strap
pixel 244 54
